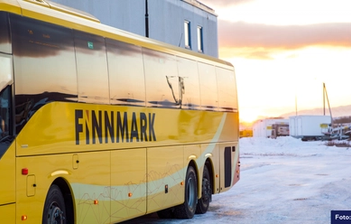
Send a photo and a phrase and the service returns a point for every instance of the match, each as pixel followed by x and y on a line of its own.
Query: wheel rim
pixel 191 193
pixel 55 214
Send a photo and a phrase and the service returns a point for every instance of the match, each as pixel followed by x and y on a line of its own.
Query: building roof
pixel 201 6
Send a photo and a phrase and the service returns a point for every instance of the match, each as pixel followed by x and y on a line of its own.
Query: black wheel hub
pixel 55 214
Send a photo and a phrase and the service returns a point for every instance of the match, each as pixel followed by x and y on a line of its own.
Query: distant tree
pixel 342 120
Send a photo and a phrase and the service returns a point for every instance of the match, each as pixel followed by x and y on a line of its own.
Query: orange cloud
pixel 246 52
pixel 259 40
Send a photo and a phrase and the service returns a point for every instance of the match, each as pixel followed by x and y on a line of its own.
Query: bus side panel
pixel 89 180
pixel 32 188
pixel 229 158
pixel 212 151
pixel 166 173
pixel 91 187
pixel 128 184
pixel 193 153
pixel 7 177
pixel 230 131
pixel 7 213
pixel 7 186
pixel 224 156
pixel 58 124
pixel 236 167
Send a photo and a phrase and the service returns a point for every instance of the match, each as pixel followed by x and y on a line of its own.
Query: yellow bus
pixel 100 126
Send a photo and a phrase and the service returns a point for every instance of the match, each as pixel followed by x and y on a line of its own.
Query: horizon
pixel 337 113
pixel 283 55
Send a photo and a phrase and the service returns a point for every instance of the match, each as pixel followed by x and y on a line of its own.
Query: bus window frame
pixel 5 40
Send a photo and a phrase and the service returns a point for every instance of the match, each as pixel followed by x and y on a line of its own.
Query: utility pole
pixel 146 18
pixel 325 96
pixel 295 104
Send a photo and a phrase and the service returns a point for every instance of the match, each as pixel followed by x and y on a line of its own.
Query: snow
pixel 283 180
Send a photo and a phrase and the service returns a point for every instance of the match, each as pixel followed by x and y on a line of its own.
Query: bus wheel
pixel 187 209
pixel 206 194
pixel 54 208
pixel 166 213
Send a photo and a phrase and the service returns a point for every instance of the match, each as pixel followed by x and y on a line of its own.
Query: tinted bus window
pixel 5 105
pixel 6 129
pixel 126 73
pixel 227 96
pixel 44 65
pixel 162 81
pixel 92 68
pixel 5 44
pixel 189 76
pixel 5 71
pixel 208 87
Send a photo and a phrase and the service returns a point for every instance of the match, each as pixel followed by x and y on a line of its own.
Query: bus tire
pixel 188 208
pixel 206 193
pixel 54 208
pixel 166 213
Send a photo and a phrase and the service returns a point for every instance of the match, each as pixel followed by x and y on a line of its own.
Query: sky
pixel 283 52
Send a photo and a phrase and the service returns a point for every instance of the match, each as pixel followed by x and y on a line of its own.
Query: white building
pixel 263 128
pixel 309 127
pixel 184 23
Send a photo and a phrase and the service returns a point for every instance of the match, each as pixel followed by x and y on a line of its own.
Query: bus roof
pixel 58 14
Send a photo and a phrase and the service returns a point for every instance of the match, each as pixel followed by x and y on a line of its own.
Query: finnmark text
pixel 102 127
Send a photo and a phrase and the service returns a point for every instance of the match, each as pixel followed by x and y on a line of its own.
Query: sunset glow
pixel 283 52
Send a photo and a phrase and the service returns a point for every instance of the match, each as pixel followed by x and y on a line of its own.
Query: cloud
pixel 259 40
pixel 246 52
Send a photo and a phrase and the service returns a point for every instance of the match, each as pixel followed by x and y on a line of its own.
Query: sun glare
pixel 248 116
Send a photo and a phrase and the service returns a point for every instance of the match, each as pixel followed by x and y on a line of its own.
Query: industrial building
pixel 185 23
pixel 309 127
pixel 271 128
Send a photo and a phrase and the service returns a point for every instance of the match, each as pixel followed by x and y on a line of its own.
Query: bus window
pixel 93 84
pixel 161 80
pixel 44 66
pixel 187 70
pixel 126 73
pixel 208 87
pixel 226 90
pixel 5 45
pixel 5 112
pixel 5 102
pixel 5 71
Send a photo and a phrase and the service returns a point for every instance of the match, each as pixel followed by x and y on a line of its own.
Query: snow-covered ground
pixel 283 180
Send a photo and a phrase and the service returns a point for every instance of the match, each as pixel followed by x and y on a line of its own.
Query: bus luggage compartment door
pixel 226 167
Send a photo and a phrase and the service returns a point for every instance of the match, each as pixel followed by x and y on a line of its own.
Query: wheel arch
pixel 210 167
pixel 197 172
pixel 67 196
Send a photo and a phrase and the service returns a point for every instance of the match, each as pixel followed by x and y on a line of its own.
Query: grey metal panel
pixel 166 19
pixel 166 23
pixel 126 15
